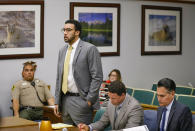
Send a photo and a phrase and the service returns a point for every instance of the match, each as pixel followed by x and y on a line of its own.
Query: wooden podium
pixel 17 124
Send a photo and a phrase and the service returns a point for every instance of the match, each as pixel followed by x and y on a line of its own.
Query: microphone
pixel 33 83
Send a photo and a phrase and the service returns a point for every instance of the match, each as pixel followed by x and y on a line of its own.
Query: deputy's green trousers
pixel 32 114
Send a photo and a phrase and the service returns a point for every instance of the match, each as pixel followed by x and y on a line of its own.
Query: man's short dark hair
pixel 117 87
pixel 76 24
pixel 32 63
pixel 167 83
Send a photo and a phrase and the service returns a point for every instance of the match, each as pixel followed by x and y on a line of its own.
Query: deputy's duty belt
pixel 31 107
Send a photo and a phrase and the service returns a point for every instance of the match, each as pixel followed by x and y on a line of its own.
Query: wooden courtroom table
pixel 17 124
pixel 20 124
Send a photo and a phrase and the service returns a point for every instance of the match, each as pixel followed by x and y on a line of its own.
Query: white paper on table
pixel 138 128
pixel 60 126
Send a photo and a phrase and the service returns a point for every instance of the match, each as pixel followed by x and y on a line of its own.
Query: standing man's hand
pixel 16 114
pixel 56 111
pixel 83 127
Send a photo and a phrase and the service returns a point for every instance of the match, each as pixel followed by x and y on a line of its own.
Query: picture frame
pixel 21 29
pixel 100 25
pixel 161 30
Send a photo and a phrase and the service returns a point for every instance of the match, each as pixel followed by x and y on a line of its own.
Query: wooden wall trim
pixel 173 1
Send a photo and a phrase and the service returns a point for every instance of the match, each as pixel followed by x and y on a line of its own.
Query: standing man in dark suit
pixel 171 115
pixel 79 76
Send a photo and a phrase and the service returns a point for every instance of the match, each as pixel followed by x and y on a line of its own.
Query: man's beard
pixel 70 40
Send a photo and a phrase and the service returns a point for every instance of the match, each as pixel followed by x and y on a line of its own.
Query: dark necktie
pixel 116 113
pixel 163 119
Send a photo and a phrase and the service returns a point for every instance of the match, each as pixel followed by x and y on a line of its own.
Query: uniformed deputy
pixel 30 94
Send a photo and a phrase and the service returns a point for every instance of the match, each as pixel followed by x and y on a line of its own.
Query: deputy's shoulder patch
pixel 13 87
pixel 24 83
pixel 37 81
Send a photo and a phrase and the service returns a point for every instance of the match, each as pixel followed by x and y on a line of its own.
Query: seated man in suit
pixel 30 94
pixel 123 111
pixel 171 115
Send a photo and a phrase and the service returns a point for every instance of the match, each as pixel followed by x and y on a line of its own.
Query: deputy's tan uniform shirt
pixel 25 93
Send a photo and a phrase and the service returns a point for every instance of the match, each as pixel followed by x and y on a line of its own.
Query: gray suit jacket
pixel 130 115
pixel 87 72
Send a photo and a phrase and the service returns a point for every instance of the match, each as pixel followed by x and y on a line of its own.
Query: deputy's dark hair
pixel 76 24
pixel 117 87
pixel 167 83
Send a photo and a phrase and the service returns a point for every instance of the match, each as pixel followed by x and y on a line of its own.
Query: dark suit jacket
pixel 180 118
pixel 87 72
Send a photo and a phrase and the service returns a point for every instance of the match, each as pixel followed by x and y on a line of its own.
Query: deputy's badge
pixel 24 83
pixel 13 87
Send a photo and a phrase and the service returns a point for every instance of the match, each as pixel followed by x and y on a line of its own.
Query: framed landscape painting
pixel 21 29
pixel 100 25
pixel 161 30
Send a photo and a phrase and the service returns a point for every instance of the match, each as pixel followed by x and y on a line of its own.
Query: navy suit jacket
pixel 180 118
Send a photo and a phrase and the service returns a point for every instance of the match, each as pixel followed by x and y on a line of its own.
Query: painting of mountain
pixel 96 28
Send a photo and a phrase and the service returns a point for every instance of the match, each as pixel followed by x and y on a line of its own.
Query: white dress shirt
pixel 167 115
pixel 71 82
